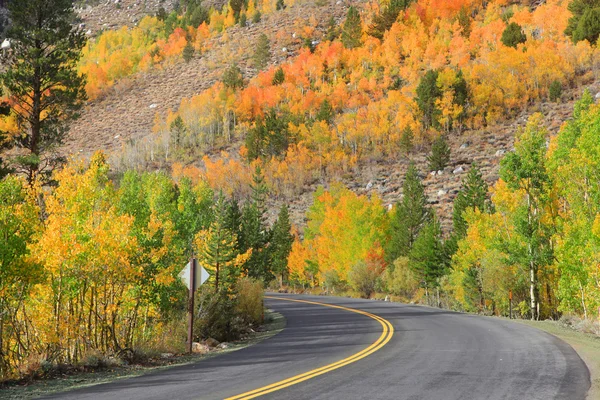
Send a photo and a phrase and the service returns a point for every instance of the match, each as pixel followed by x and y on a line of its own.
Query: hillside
pixel 136 101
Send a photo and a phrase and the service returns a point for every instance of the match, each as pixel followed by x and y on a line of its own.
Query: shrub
pixel 217 317
pixel 400 280
pixel 250 301
pixel 332 281
pixel 364 277
pixel 555 91
pixel 278 77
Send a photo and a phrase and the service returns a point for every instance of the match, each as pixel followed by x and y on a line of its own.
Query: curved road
pixel 432 354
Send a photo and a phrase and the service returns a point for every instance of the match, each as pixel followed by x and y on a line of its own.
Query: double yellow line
pixel 386 336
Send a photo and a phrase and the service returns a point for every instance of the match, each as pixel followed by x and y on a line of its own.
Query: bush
pixel 332 281
pixel 250 301
pixel 278 77
pixel 364 277
pixel 555 91
pixel 243 20
pixel 400 280
pixel 217 317
pixel 188 52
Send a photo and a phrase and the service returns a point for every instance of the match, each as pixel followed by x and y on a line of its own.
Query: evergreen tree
pixel 255 235
pixel 278 77
pixel 40 76
pixel 281 244
pixel 256 17
pixel 352 30
pixel 464 20
pixel 178 132
pixel 427 256
pixel 269 137
pixel 233 78
pixel 584 23
pixel 243 20
pixel 406 140
pixel 333 31
pixel 236 7
pixel 428 94
pixel 280 5
pixel 325 112
pixel 383 21
pixel 440 154
pixel 555 91
pixel 461 95
pixel 408 219
pixel 513 35
pixel 188 52
pixel 219 249
pixel 262 53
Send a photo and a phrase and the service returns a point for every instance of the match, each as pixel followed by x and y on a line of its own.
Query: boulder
pixel 200 348
pixel 458 170
pixel 223 346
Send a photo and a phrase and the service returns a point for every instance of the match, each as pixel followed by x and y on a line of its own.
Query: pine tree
pixel 269 137
pixel 40 76
pixel 584 23
pixel 262 53
pixel 236 7
pixel 333 31
pixel 427 255
pixel 513 35
pixel 410 215
pixel 428 94
pixel 325 112
pixel 352 30
pixel 243 20
pixel 281 244
pixel 233 78
pixel 440 154
pixel 256 17
pixel 278 77
pixel 383 21
pixel 188 52
pixel 280 5
pixel 406 140
pixel 178 131
pixel 219 248
pixel 255 235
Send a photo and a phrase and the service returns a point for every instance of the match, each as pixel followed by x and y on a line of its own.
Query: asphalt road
pixel 433 354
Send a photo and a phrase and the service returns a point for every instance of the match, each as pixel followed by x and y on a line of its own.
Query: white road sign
pixel 201 275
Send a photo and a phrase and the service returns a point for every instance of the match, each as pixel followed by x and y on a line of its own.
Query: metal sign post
pixel 191 304
pixel 193 276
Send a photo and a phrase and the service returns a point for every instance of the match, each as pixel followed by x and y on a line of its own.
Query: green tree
pixel 256 17
pixel 218 250
pixel 383 21
pixel 352 29
pixel 233 78
pixel 555 91
pixel 333 30
pixel 281 244
pixel 40 76
pixel 427 255
pixel 584 23
pixel 188 52
pixel 236 7
pixel 262 52
pixel 269 137
pixel 440 154
pixel 406 140
pixel 255 235
pixel 513 35
pixel 525 170
pixel 178 132
pixel 325 112
pixel 428 93
pixel 280 5
pixel 464 20
pixel 243 20
pixel 278 77
pixel 408 217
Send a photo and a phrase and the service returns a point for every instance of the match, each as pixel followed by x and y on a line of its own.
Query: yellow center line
pixel 386 336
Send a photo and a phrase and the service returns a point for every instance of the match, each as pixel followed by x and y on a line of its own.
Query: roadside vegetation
pixel 90 254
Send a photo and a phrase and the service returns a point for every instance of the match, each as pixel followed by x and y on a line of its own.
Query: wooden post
pixel 191 303
pixel 510 304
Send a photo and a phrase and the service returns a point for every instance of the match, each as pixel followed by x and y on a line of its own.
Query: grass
pixel 585 344
pixel 274 323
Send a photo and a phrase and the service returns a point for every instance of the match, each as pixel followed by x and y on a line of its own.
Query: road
pixel 429 354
